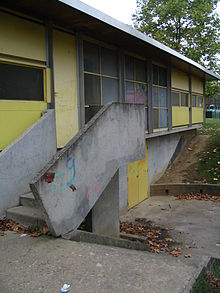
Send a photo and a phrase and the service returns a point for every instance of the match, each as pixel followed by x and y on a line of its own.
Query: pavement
pixel 44 264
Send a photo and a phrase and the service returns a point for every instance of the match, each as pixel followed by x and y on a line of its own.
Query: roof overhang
pixel 76 16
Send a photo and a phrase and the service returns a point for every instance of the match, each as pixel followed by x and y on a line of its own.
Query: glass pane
pixel 129 67
pixel 163 118
pixel 109 62
pixel 200 101
pixel 163 97
pixel 141 93
pixel 156 118
pixel 162 76
pixel 155 74
pixel 129 92
pixel 109 90
pixel 91 57
pixel 193 101
pixel 175 98
pixel 155 97
pixel 21 83
pixel 184 99
pixel 140 70
pixel 92 89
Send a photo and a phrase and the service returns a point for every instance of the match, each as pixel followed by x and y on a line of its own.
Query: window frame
pixel 100 75
pixel 31 65
pixel 158 107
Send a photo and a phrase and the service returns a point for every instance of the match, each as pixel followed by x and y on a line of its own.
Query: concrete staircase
pixel 28 213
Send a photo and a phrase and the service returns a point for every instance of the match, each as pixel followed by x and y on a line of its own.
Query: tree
pixel 190 27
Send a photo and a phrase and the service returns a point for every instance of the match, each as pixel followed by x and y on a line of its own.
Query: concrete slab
pixel 45 264
pixel 194 222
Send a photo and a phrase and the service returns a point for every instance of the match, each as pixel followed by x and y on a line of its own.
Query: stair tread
pixel 27 195
pixel 26 211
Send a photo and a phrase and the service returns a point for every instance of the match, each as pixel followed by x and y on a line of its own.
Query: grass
pixel 209 165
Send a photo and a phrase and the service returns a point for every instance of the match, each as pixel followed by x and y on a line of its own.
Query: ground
pixel 200 159
pixel 187 161
pixel 44 264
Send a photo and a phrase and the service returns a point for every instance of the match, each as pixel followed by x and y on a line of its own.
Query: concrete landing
pixel 44 264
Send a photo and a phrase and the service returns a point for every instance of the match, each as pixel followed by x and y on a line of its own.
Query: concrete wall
pixel 22 159
pixel 70 185
pixel 162 150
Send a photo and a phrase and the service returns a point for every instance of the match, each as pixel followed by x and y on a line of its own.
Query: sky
pixel 119 9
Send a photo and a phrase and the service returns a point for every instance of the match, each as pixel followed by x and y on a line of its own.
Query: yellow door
pixel 132 175
pixel 137 181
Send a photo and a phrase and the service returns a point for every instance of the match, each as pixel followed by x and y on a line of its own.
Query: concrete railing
pixel 71 184
pixel 23 158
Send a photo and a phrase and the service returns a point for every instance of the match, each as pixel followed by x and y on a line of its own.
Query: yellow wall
pixel 180 116
pixel 197 115
pixel 16 117
pixel 137 179
pixel 22 38
pixel 197 85
pixel 65 79
pixel 179 80
pixel 21 42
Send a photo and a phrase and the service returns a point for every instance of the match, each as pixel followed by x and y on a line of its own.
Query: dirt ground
pixel 181 171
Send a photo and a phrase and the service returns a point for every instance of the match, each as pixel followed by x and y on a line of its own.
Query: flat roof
pixel 77 16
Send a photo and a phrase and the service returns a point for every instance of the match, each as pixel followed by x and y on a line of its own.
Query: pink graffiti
pixel 95 189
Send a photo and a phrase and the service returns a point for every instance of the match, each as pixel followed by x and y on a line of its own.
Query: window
pixel 197 101
pixel 135 82
pixel 200 101
pixel 21 83
pixel 159 97
pixel 101 77
pixel 179 99
pixel 193 100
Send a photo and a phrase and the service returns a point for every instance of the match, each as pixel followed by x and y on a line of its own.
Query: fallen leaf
pixel 45 230
pixel 214 151
pixel 188 255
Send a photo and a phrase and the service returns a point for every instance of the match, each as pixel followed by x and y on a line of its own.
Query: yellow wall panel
pixel 16 117
pixel 180 116
pixel 197 115
pixel 179 80
pixel 137 179
pixel 197 85
pixel 133 185
pixel 22 38
pixel 65 79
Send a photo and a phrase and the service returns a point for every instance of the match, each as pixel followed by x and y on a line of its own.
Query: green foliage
pixel 209 166
pixel 201 286
pixel 190 27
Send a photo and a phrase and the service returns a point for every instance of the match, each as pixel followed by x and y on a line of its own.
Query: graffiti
pixel 96 188
pixel 65 178
pixel 49 177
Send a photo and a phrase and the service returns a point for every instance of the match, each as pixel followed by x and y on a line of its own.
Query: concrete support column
pixel 80 79
pixel 105 213
pixel 169 98
pixel 50 62
pixel 149 95
pixel 190 100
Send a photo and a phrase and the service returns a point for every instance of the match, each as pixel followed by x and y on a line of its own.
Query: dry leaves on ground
pixel 198 196
pixel 212 280
pixel 157 237
pixel 10 225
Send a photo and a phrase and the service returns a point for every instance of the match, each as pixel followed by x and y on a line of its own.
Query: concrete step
pixel 28 200
pixel 26 216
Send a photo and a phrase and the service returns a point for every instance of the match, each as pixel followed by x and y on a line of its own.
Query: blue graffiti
pixel 63 179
